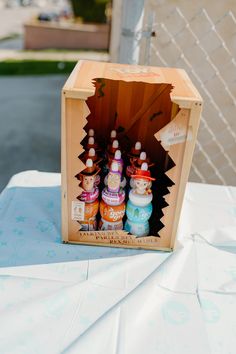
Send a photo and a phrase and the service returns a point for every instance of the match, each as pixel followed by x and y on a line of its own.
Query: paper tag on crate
pixel 78 210
pixel 177 131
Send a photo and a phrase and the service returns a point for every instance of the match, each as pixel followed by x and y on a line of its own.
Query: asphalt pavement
pixel 30 105
pixel 29 124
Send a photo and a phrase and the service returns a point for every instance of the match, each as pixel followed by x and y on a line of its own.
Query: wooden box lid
pixel 80 83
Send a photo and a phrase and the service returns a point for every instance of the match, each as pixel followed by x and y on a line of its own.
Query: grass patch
pixel 10 37
pixel 35 67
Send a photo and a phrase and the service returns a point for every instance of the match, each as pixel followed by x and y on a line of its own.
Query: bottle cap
pixel 89 163
pixel 117 155
pixel 113 134
pixel 138 145
pixel 135 150
pixel 91 132
pixel 114 166
pixel 143 156
pixel 91 152
pixel 143 172
pixel 144 166
pixel 91 169
pixel 91 140
pixel 115 144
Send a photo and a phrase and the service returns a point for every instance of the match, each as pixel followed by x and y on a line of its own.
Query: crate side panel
pixel 193 125
pixel 118 238
pixel 64 201
pixel 76 113
pixel 178 138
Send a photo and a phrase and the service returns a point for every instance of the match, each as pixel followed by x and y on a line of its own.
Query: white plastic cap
pixel 91 141
pixel 117 155
pixel 89 163
pixel 113 134
pixel 138 145
pixel 91 152
pixel 91 132
pixel 114 167
pixel 115 144
pixel 144 166
pixel 143 155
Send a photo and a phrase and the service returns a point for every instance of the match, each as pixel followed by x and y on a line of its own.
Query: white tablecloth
pixel 58 298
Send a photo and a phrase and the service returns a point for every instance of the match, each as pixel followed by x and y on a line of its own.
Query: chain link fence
pixel 206 48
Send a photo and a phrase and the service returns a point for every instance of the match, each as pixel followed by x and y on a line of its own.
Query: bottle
pixel 110 155
pixel 138 163
pixel 135 151
pixel 117 158
pixel 91 154
pixel 91 144
pixel 112 149
pixel 139 206
pixel 113 135
pixel 112 206
pixel 89 196
pixel 133 156
pixel 91 133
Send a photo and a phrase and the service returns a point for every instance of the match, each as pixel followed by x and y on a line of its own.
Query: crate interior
pixel 137 110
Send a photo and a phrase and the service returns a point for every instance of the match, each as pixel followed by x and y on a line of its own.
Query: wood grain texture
pixel 159 107
pixel 86 71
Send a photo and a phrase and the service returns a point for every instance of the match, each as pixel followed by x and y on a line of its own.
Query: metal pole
pixel 131 31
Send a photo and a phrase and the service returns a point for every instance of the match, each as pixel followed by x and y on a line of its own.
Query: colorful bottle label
pixel 105 225
pixel 137 229
pixel 112 213
pixel 138 214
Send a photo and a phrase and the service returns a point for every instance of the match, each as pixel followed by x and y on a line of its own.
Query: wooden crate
pixel 161 108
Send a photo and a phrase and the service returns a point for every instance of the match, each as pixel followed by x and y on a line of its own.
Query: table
pixel 58 298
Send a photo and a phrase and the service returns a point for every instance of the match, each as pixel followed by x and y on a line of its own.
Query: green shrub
pixel 35 67
pixel 90 10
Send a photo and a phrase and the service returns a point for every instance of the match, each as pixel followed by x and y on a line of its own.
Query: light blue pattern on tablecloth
pixel 30 220
pixel 87 299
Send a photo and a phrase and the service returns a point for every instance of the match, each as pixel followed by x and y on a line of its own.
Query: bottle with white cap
pixel 110 153
pixel 93 155
pixel 114 178
pixel 143 156
pixel 137 163
pixel 112 206
pixel 112 137
pixel 114 146
pixel 139 206
pixel 117 158
pixel 89 195
pixel 91 133
pixel 136 149
pixel 91 143
pixel 133 156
